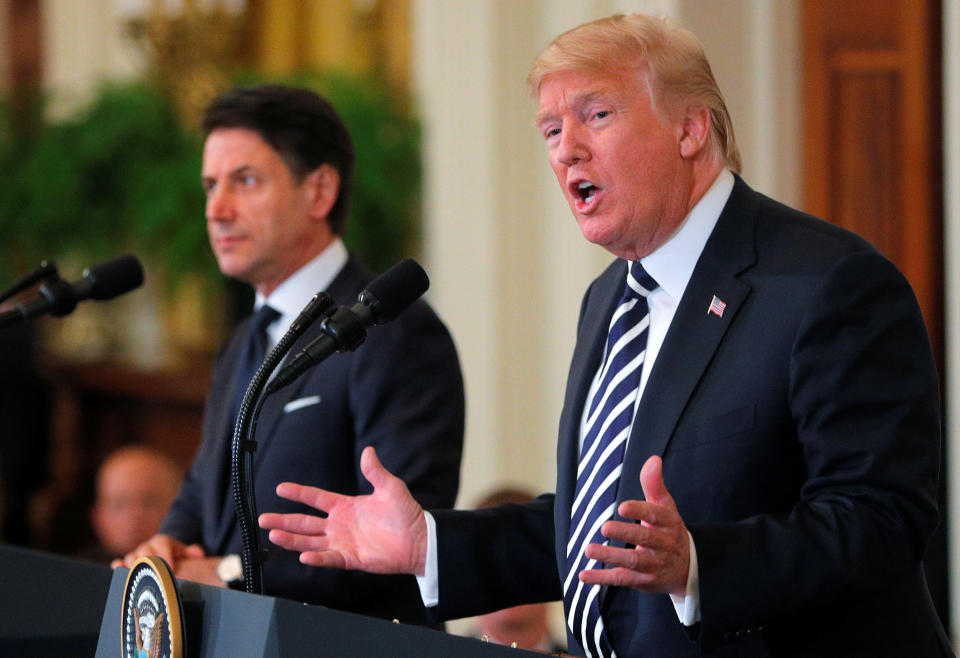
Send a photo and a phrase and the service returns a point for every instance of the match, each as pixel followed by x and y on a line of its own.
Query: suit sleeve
pixel 863 396
pixel 496 558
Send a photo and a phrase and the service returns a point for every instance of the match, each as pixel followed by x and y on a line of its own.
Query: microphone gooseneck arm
pixel 100 282
pixel 47 271
pixel 244 445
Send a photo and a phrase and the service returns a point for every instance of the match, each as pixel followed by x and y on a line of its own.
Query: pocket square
pixel 300 403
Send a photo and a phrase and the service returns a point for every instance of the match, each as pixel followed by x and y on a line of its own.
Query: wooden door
pixel 871 102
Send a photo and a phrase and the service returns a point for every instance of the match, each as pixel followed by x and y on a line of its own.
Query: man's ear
pixel 695 131
pixel 323 184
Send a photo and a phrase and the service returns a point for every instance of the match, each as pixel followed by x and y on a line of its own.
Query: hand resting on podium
pixel 188 562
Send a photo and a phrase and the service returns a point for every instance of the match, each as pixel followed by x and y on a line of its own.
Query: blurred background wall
pixel 849 110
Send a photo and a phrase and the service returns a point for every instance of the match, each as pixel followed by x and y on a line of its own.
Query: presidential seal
pixel 152 621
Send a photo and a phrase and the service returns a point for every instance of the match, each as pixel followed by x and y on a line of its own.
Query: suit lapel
pixel 694 334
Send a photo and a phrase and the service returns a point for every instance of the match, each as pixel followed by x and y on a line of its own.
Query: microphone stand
pixel 244 445
pixel 46 272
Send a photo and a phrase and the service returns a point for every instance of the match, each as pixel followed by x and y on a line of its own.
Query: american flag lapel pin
pixel 716 306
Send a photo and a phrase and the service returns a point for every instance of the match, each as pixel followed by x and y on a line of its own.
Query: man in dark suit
pixel 749 445
pixel 277 170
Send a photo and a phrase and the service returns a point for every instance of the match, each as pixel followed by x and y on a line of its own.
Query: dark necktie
pixel 608 420
pixel 251 355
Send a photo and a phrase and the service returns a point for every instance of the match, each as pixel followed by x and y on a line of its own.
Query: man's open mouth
pixel 587 191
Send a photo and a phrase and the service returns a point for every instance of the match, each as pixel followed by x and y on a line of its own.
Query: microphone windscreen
pixel 114 277
pixel 398 287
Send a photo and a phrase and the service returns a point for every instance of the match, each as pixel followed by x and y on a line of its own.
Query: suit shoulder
pixel 798 241
pixel 779 219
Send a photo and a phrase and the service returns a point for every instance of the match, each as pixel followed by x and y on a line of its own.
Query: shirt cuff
pixel 688 606
pixel 429 582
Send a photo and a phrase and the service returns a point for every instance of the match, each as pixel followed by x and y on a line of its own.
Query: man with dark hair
pixel 277 166
pixel 750 439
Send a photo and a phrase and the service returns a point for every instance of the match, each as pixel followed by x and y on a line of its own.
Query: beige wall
pixel 83 45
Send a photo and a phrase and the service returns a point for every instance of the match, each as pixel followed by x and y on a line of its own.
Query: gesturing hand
pixel 384 532
pixel 660 557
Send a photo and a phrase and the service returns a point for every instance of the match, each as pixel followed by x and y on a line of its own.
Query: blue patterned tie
pixel 252 355
pixel 608 419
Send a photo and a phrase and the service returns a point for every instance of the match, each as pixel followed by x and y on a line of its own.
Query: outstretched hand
pixel 659 559
pixel 384 532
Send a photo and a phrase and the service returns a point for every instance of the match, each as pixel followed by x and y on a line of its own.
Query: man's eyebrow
pixel 242 169
pixel 542 117
pixel 577 101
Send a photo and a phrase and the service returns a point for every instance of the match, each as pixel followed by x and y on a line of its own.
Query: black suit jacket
pixel 800 440
pixel 401 392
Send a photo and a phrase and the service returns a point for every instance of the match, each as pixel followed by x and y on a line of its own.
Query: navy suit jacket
pixel 800 439
pixel 401 392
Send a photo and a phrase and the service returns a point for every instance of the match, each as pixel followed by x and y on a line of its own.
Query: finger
pixel 629 558
pixel 296 542
pixel 164 550
pixel 312 496
pixel 644 536
pixel 194 551
pixel 656 514
pixel 651 480
pixel 619 577
pixel 331 559
pixel 303 524
pixel 372 469
pixel 117 563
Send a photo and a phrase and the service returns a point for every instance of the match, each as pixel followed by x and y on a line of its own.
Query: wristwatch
pixel 230 571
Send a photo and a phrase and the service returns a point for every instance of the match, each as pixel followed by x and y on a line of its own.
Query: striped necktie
pixel 607 426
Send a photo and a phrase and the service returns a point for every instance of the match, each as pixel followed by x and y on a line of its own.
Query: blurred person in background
pixel 134 488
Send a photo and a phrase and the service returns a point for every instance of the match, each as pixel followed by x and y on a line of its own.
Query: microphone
pixel 100 282
pixel 346 328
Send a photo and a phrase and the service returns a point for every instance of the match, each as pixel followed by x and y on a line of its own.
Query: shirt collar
pixel 672 263
pixel 292 295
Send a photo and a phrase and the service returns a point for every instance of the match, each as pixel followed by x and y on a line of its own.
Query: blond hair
pixel 676 68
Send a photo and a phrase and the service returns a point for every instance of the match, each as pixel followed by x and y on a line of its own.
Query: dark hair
pixel 298 124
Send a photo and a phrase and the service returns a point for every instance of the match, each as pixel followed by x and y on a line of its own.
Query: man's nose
pixel 219 205
pixel 572 148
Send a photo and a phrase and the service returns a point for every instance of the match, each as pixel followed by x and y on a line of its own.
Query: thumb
pixel 194 550
pixel 651 480
pixel 372 469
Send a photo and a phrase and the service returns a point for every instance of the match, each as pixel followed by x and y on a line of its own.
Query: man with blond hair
pixel 749 444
